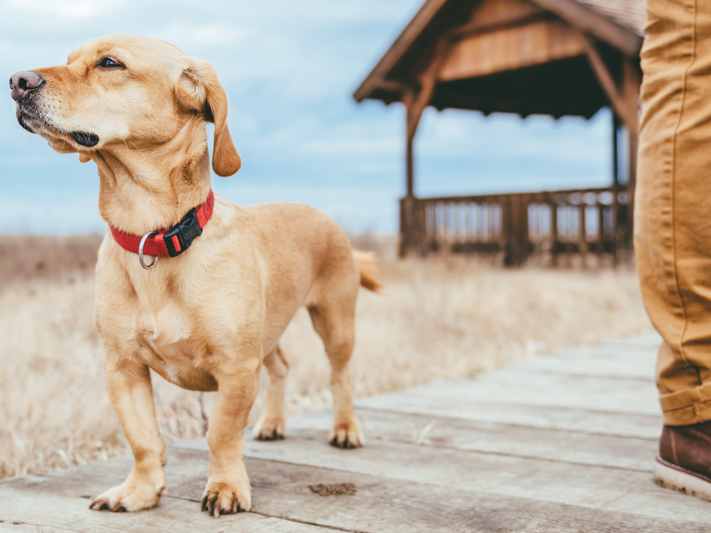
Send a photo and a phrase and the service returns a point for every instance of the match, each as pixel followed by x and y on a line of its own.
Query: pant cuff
pixel 691 406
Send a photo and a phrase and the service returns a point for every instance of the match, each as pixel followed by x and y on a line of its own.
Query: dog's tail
pixel 368 266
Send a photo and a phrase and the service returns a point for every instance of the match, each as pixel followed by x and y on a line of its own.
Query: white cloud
pixel 62 9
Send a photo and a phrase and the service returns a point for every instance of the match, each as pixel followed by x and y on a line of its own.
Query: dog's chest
pixel 172 344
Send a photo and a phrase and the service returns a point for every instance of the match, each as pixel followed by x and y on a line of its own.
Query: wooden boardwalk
pixel 559 443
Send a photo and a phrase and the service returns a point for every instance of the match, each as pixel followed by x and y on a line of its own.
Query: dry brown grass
pixel 56 258
pixel 434 320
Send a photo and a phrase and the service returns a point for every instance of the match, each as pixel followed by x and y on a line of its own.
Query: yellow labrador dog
pixel 211 312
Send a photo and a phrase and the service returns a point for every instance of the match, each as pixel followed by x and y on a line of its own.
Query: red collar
pixel 172 241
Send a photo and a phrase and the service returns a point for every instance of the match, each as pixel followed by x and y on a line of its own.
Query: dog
pixel 210 313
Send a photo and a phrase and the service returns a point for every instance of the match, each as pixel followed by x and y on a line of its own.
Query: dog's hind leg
pixel 333 317
pixel 272 422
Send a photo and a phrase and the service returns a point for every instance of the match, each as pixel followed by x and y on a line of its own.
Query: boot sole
pixel 674 477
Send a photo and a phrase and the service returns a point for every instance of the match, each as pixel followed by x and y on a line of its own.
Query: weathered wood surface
pixel 557 443
pixel 513 48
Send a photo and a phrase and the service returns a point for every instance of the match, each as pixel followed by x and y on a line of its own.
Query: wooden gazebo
pixel 552 57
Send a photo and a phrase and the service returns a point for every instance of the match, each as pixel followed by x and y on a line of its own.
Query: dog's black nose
pixel 23 83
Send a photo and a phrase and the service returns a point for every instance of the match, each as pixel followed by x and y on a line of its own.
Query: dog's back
pixel 293 232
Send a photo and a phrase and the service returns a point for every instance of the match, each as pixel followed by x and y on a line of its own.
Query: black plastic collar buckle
pixel 185 232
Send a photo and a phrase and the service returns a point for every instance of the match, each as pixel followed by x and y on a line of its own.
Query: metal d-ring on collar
pixel 140 252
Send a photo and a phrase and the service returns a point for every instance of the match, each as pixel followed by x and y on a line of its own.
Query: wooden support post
pixel 615 148
pixel 409 169
pixel 515 229
pixel 407 214
pixel 631 79
pixel 416 98
pixel 624 99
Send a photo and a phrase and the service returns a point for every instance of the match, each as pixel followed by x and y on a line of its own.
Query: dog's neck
pixel 152 188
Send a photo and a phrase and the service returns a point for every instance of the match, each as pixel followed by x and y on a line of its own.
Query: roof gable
pixel 617 23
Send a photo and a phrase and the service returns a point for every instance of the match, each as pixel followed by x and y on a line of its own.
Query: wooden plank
pixel 649 336
pixel 380 504
pixel 573 365
pixel 497 197
pixel 547 390
pixel 57 503
pixel 488 437
pixel 572 392
pixel 22 527
pixel 472 472
pixel 512 20
pixel 641 354
pixel 410 401
pixel 498 13
pixel 650 341
pixel 511 49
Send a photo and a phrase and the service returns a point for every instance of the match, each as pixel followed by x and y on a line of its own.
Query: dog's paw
pixel 226 498
pixel 346 434
pixel 270 428
pixel 130 496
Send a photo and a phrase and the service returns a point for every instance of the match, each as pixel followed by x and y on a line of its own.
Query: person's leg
pixel 673 226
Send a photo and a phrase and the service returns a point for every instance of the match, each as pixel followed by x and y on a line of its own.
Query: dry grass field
pixel 434 320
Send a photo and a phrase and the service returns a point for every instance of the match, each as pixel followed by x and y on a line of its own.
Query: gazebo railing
pixel 520 225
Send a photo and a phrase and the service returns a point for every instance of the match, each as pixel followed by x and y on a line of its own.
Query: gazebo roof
pixel 518 56
pixel 630 14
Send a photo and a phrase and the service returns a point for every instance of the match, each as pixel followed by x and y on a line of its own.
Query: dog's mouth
pixel 26 118
pixel 84 138
pixel 34 121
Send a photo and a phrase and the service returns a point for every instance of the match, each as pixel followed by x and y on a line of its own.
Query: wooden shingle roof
pixel 630 14
pixel 519 56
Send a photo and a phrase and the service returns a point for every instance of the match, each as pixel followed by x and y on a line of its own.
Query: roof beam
pixel 475 27
pixel 420 99
pixel 416 100
pixel 591 23
pixel 624 102
pixel 423 17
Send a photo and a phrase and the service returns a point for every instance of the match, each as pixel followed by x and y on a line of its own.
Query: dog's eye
pixel 107 62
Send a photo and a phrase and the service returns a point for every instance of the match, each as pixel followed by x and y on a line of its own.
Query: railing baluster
pixel 582 235
pixel 554 231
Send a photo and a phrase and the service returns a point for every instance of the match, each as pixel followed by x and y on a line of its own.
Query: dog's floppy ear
pixel 199 89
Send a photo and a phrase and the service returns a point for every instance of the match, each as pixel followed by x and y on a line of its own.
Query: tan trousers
pixel 673 202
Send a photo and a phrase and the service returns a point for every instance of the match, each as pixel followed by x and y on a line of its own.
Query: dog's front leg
pixel 129 387
pixel 228 490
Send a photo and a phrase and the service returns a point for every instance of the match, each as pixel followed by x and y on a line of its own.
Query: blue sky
pixel 289 69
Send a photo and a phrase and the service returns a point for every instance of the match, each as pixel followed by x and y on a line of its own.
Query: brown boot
pixel 684 460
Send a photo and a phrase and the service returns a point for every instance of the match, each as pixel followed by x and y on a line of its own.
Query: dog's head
pixel 132 91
